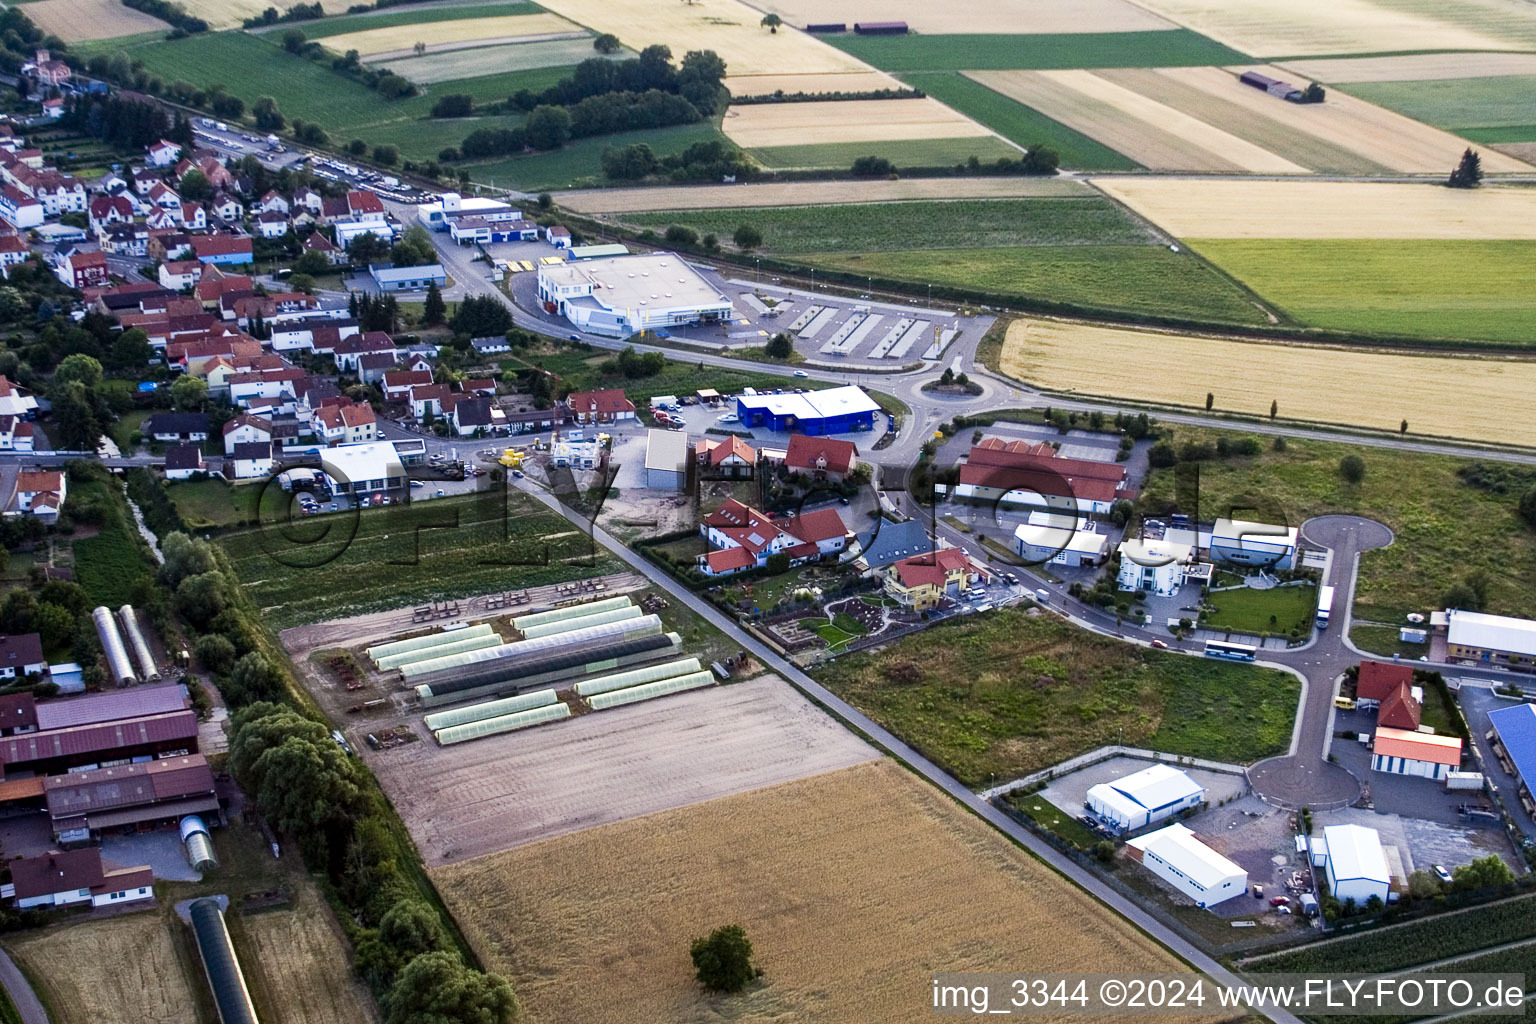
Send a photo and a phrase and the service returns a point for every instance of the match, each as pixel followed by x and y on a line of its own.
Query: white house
pixel 1426 755
pixel 1357 865
pixel 1155 565
pixel 162 154
pixel 1142 798
pixel 1059 538
pixel 346 424
pixel 179 275
pixel 272 224
pixel 41 492
pixel 252 461
pixel 16 434
pixel 1178 857
pixel 246 429
pixel 1263 545
pixel 58 879
pixel 271 202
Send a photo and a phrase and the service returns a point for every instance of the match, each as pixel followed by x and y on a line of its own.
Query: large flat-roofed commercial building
pixel 439 214
pixel 1514 730
pixel 1256 544
pixel 1491 639
pixel 367 470
pixel 622 295
pixel 844 410
pixel 1145 797
pixel 1178 857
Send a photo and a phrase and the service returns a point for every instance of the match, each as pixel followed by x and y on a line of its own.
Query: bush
pixel 722 960
pixel 1352 469
pixel 454 105
pixel 679 235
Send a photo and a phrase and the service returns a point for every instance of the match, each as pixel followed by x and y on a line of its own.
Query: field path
pixel 20 990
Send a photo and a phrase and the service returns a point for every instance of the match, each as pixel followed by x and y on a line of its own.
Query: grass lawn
pixel 1456 290
pixel 1054 818
pixel 212 502
pixel 1383 640
pixel 1174 48
pixel 1507 101
pixel 1446 530
pixel 1008 693
pixel 1278 610
pixel 904 153
pixel 578 163
pixel 1018 123
pixel 488 88
pixel 127 425
pixel 420 16
pixel 1126 278
pixel 340 564
pixel 842 630
pixel 953 224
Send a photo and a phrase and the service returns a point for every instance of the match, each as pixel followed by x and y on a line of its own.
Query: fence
pixel 1093 757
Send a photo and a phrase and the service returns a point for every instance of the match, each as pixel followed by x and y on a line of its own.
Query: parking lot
pixel 1070 791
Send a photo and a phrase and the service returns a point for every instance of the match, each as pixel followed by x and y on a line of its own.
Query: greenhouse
pixel 504 723
pixel 220 965
pixel 634 677
pixel 631 694
pixel 570 611
pixel 417 643
pixel 597 619
pixel 646 624
pixel 498 678
pixel 489 709
pixel 402 658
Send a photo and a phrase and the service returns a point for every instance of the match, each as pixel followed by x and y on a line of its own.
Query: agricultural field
pixel 1152 134
pixel 1448 527
pixel 904 153
pixel 1412 67
pixel 1141 279
pixel 958 224
pixel 1017 123
pixel 133 967
pixel 767 125
pixel 1470 399
pixel 1327 209
pixel 75 21
pixel 1321 27
pixel 415 15
pixel 441 36
pixel 113 558
pixel 577 164
pixel 294 959
pixel 1013 692
pixel 1461 103
pixel 342 564
pixel 840 81
pixel 1436 289
pixel 479 62
pixel 224 13
pixel 572 920
pixel 811 193
pixel 929 19
pixel 1064 50
pixel 212 502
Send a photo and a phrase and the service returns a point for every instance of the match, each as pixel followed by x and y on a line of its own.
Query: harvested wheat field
pixel 730 28
pixel 813 193
pixel 963 17
pixel 800 124
pixel 853 887
pixel 1473 399
pixel 1153 134
pixel 75 21
pixel 441 34
pixel 1192 208
pixel 294 962
pixel 1414 67
pixel 129 968
pixel 841 81
pixel 1314 27
pixel 226 13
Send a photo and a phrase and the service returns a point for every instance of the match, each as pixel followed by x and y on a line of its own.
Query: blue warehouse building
pixel 844 410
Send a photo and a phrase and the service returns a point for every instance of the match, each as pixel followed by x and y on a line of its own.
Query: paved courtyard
pixel 1069 791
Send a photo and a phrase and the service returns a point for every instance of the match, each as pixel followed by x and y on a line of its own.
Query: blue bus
pixel 1230 651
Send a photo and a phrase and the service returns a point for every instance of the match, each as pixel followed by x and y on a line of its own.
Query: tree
pixel 606 43
pixel 78 368
pixel 1528 506
pixel 412 928
pixel 777 563
pixel 747 237
pixel 214 652
pixel 1161 455
pixel 481 316
pixel 1469 172
pixel 185 556
pixel 723 959
pixel 547 127
pixel 268 117
pixel 1313 93
pixel 1352 469
pixel 1403 427
pixel 194 186
pixel 436 988
pixel 54 625
pixel 1210 400
pixel 435 310
pixel 1104 851
pixel 457 104
pixel 771 22
pixel 1423 885
pixel 1483 873
pixel 293 40
pixel 131 350
pixel 677 234
pixel 200 598
pixel 1462 597
pixel 386 155
pixel 75 417
pixel 1274 408
pixel 189 393
pixel 781 346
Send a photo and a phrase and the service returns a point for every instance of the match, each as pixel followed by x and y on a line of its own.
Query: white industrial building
pixel 1490 639
pixel 1059 538
pixel 1179 858
pixel 1155 565
pixel 1356 863
pixel 436 216
pixel 666 459
pixel 621 295
pixel 1133 801
pixel 1263 545
pixel 370 470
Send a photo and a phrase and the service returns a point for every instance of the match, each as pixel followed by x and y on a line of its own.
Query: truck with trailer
pixel 1324 606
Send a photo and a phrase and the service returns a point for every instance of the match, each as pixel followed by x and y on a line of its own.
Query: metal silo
pixel 112 646
pixel 199 844
pixel 140 645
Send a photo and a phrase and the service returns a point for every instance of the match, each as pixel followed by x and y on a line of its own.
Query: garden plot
pixel 811 193
pixel 1043 17
pixel 1414 67
pixel 799 124
pixel 1155 135
pixel 1474 399
pixel 1326 209
pixel 76 20
pixel 730 28
pixel 398 40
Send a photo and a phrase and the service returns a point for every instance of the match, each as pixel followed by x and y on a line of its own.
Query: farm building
pixel 827 27
pixel 142 794
pixel 843 410
pixel 1514 731
pixel 57 879
pixel 1156 565
pixel 1425 755
pixel 666 459
pixel 1240 542
pixel 390 278
pixel 1178 857
pixel 1273 86
pixel 880 28
pixel 142 722
pixel 1356 863
pixel 1142 798
pixel 1059 538
pixel 1495 640
pixel 621 295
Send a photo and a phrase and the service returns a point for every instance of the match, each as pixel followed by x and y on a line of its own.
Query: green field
pixel 1458 290
pixel 1018 123
pixel 410 16
pixel 583 371
pixel 578 163
pixel 1514 133
pixel 109 563
pixel 904 153
pixel 1508 101
pixel 1447 530
pixel 1278 610
pixel 316 569
pixel 1172 48
pixel 212 502
pixel 957 224
pixel 1126 278
pixel 1008 693
pixel 1384 641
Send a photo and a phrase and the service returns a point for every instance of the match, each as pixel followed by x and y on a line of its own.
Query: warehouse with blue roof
pixel 1515 731
pixel 844 410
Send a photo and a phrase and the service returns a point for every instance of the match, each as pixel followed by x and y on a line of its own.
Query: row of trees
pixel 702 161
pixel 1038 159
pixel 298 12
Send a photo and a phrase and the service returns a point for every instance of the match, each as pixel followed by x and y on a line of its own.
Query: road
pixel 20 990
pixel 888 742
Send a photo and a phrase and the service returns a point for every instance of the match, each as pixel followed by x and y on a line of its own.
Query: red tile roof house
pixel 606 406
pixel 924 581
pixel 744 538
pixel 41 492
pixel 1378 680
pixel 1399 710
pixel 732 458
pixel 821 458
pixel 57 879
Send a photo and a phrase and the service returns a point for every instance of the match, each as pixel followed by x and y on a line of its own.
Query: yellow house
pixel 923 581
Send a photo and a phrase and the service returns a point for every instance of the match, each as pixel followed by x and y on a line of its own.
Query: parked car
pixel 1161 645
pixel 1280 901
pixel 1442 874
pixel 416 483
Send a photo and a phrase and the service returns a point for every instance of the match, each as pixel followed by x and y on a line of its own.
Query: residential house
pixel 13 251
pixel 106 210
pixel 821 458
pixel 180 275
pixel 427 399
pixel 21 655
pixel 177 426
pixel 307 198
pixel 924 581
pixel 1400 709
pixel 823 528
pixel 61 878
pixel 162 154
pixel 194 216
pixel 346 424
pixel 53 108
pixel 1378 680
pixel 493 345
pixel 16 434
pixel 372 366
pixel 18 711
pixel 15 401
pixel 479 386
pixel 126 239
pixel 183 460
pixel 316 242
pixel 280 386
pixel 83 269
pixel 732 458
pixel 246 429
pixel 163 196
pixel 251 461
pixel 390 278
pixel 271 202
pixel 397 384
pixel 223 250
pixel 20 210
pixel 742 538
pixel 41 492
pixel 609 405
pixel 348 351
pixel 226 207
pixel 476 415
pixel 272 224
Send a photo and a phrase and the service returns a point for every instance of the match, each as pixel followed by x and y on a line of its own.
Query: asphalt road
pixel 16 986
